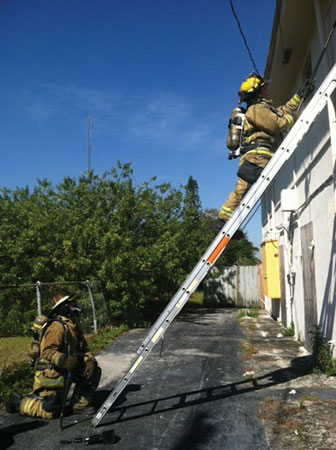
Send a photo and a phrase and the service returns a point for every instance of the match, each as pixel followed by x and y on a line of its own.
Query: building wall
pixel 306 233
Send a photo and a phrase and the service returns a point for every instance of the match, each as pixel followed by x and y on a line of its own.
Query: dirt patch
pixel 300 411
pixel 299 424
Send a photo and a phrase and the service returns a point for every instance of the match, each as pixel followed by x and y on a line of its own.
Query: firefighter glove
pixel 90 367
pixel 71 363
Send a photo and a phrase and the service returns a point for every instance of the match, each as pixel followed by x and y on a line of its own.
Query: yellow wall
pixel 271 269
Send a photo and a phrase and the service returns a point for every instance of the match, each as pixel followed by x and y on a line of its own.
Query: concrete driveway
pixel 211 385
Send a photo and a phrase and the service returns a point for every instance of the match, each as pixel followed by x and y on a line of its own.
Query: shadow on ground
pixel 7 433
pixel 299 367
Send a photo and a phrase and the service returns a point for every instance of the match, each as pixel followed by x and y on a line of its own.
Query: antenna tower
pixel 89 141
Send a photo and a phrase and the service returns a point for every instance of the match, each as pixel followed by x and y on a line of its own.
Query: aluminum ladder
pixel 283 153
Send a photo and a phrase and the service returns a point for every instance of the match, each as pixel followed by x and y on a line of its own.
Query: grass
pixel 99 341
pixel 195 300
pixel 16 374
pixel 253 313
pixel 13 350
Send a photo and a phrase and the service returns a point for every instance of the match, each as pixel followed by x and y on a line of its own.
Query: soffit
pixel 293 27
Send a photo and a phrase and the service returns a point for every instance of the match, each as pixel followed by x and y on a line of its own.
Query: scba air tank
pixel 236 123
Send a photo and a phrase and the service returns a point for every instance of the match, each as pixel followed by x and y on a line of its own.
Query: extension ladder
pixel 285 150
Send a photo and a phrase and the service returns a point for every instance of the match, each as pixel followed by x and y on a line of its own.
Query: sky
pixel 159 79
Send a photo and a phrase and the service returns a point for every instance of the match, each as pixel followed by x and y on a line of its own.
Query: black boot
pixel 13 403
pixel 219 225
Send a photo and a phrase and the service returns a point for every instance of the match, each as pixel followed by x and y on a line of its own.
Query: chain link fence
pixel 20 304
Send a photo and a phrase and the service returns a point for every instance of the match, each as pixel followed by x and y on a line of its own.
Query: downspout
pixel 332 130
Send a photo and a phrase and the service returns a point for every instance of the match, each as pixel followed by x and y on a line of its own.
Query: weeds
pixel 97 342
pixel 307 398
pixel 289 331
pixel 321 353
pixel 248 349
pixel 253 313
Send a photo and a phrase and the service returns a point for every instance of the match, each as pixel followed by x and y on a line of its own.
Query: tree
pixel 138 241
pixel 238 252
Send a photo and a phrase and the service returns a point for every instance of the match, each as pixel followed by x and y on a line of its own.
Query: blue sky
pixel 159 77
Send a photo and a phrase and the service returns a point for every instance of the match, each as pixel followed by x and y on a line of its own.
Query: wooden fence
pixel 235 286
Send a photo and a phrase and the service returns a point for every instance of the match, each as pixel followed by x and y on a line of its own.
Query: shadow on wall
pixel 236 286
pixel 327 317
pixel 221 291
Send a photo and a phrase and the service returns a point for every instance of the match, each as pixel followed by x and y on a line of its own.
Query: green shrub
pixel 321 353
pixel 289 331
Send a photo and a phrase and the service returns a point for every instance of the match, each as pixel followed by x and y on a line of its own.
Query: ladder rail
pixel 285 150
pixel 300 128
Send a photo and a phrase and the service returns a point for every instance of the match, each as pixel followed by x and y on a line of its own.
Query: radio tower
pixel 89 141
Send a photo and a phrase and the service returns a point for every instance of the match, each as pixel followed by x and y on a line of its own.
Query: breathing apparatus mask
pixel 73 309
pixel 66 306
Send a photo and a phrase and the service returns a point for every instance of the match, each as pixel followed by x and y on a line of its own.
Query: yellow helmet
pixel 251 86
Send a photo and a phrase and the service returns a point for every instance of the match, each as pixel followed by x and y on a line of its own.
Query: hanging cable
pixel 244 38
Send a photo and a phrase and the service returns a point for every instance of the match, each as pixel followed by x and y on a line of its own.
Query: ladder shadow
pixel 299 367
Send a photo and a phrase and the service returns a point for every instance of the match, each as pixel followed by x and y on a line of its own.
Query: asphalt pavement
pixel 213 383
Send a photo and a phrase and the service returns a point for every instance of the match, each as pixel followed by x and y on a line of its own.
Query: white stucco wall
pixel 310 172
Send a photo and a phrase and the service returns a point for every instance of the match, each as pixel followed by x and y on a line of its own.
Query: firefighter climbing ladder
pixel 320 99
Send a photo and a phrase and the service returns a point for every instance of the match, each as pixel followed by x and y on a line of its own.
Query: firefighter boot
pixel 13 403
pixel 81 401
pixel 219 225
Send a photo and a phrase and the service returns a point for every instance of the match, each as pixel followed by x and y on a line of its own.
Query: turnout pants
pixel 47 404
pixel 250 167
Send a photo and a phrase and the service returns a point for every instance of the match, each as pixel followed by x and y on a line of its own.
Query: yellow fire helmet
pixel 250 86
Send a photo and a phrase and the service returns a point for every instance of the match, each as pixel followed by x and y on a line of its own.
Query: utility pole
pixel 89 141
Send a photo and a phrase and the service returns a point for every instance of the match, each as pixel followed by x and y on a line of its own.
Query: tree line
pixel 138 241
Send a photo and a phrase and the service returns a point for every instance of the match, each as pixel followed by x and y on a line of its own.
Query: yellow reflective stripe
pixel 55 383
pixel 258 152
pixel 289 119
pixel 192 285
pixel 28 405
pixel 227 211
pixel 157 335
pixel 135 365
pixel 181 301
pixel 295 100
pixel 42 380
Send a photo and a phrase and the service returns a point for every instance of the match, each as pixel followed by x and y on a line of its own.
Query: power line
pixel 244 38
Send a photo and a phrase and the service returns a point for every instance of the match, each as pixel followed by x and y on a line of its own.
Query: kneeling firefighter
pixel 62 356
pixel 260 127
